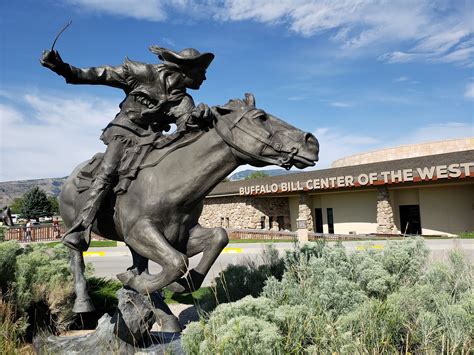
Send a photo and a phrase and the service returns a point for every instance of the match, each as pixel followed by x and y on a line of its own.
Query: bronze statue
pixel 155 97
pixel 158 216
pixel 161 179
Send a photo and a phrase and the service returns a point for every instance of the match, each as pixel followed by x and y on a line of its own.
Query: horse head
pixel 6 217
pixel 258 138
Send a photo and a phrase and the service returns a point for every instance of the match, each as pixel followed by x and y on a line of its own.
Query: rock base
pixel 128 331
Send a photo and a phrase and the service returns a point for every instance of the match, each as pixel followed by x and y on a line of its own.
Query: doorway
pixel 318 214
pixel 410 221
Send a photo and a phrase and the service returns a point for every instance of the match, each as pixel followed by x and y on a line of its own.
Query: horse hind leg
pixel 145 239
pixel 82 303
pixel 140 263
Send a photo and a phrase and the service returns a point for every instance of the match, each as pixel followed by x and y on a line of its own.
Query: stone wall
pixel 385 221
pixel 246 212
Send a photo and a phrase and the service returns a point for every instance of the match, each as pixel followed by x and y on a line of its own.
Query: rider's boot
pixel 78 236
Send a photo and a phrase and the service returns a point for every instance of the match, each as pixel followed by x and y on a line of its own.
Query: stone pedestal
pixel 304 211
pixel 385 221
pixel 128 331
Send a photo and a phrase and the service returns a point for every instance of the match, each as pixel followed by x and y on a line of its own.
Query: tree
pixel 36 204
pixel 256 175
pixel 54 204
pixel 16 205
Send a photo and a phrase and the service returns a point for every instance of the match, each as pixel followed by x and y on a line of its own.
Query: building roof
pixel 436 167
pixel 406 151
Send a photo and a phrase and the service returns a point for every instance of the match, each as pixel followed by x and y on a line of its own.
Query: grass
pixel 94 244
pixel 466 235
pixel 190 298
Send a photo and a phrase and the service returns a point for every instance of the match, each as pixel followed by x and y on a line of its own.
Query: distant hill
pixel 241 175
pixel 9 190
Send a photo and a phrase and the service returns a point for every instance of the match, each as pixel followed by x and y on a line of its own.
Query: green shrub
pixel 43 280
pixel 240 328
pixel 238 281
pixel 8 254
pixel 324 282
pixel 331 301
pixel 2 233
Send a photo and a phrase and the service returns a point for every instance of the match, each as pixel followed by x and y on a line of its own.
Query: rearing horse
pixel 158 216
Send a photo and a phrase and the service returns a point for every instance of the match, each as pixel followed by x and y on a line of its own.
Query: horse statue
pixel 158 216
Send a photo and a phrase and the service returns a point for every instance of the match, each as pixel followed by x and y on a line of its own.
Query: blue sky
pixel 360 75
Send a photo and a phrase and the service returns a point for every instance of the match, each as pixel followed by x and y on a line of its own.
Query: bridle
pixel 284 162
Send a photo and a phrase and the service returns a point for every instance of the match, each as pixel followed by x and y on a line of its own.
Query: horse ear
pixel 249 99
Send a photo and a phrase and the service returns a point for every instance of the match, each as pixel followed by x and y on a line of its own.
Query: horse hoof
pixel 126 277
pixel 83 306
pixel 169 324
pixel 176 287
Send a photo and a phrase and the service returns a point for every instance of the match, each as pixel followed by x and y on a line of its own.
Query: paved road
pixel 110 261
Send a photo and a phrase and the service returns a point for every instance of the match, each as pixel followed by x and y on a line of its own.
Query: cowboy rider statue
pixel 155 97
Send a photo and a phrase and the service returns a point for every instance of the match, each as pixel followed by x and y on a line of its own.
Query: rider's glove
pixel 201 117
pixel 53 61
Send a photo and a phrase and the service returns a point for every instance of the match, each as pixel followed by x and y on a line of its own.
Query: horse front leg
pixel 210 242
pixel 82 303
pixel 146 240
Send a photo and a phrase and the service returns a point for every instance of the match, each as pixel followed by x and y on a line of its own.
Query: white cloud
pixel 469 93
pixel 437 132
pixel 336 143
pixel 45 136
pixel 340 104
pixel 436 31
pixel 151 10
pixel 401 79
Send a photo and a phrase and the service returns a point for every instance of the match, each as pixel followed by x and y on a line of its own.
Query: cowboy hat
pixel 188 57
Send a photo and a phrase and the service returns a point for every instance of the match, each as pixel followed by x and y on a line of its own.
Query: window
pixel 262 222
pixel 270 222
pixel 227 222
pixel 330 221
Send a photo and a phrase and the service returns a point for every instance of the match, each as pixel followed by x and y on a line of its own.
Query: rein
pixel 276 146
pixel 284 162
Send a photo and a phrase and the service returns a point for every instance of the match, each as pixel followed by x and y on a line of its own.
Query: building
pixel 423 189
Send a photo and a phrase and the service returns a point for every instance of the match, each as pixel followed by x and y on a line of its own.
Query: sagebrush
pixel 331 301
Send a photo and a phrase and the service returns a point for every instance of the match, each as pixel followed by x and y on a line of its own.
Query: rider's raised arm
pixel 103 75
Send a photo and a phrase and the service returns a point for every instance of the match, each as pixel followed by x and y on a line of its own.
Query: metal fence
pixel 260 234
pixel 34 233
pixel 52 233
pixel 263 234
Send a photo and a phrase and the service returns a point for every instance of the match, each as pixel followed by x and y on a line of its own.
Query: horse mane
pixel 238 104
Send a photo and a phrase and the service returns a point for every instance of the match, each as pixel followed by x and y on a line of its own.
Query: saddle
pixel 135 159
